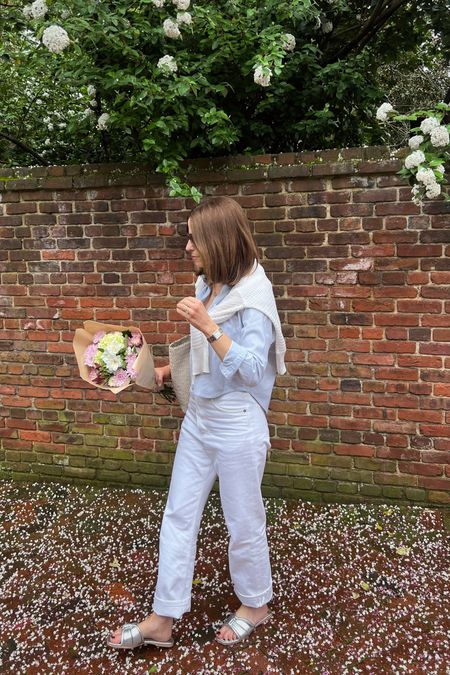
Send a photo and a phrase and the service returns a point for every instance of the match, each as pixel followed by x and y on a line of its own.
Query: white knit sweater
pixel 253 290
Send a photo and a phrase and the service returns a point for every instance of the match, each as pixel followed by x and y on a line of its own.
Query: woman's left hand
pixel 194 311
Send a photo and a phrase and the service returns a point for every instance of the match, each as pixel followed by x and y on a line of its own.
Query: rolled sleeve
pixel 248 359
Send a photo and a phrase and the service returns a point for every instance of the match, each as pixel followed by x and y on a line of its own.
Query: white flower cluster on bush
pixel 383 111
pixel 430 149
pixel 289 42
pixel 168 64
pixel 262 76
pixel 103 121
pixel 171 30
pixel 55 38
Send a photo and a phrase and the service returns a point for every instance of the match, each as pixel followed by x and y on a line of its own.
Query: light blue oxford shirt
pixel 249 365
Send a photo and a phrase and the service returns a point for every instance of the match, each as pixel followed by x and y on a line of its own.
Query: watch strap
pixel 216 335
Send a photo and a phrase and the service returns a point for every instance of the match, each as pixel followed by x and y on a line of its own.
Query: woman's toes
pixel 226 634
pixel 114 636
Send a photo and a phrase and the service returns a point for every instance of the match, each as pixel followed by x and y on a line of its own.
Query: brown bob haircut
pixel 223 238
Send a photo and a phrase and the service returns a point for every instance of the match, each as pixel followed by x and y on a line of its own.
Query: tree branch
pixel 382 12
pixel 23 146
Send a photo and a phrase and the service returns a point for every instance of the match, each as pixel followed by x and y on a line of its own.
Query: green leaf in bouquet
pixel 168 393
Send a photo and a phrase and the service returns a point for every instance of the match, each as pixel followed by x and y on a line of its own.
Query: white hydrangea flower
pixel 439 137
pixel 91 91
pixel 171 29
pixel 55 39
pixel 440 168
pixel 429 124
pixel 433 190
pixel 184 17
pixel 415 141
pixel 426 176
pixel 327 27
pixel 288 42
pixel 182 4
pixel 383 111
pixel 158 3
pixel 414 159
pixel 38 9
pixel 87 112
pixel 93 102
pixel 262 76
pixel 167 64
pixel 26 11
pixel 102 122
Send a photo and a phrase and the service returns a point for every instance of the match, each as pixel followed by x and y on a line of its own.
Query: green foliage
pixel 321 94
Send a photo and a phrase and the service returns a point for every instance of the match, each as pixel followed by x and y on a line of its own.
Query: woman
pixel 236 349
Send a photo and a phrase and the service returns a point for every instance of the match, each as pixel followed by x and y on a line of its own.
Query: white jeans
pixel 226 437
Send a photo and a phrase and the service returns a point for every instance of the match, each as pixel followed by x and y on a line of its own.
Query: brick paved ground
pixel 358 588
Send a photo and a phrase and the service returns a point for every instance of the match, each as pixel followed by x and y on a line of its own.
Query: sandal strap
pixel 131 635
pixel 241 627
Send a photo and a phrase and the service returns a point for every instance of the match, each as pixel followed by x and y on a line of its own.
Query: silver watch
pixel 216 335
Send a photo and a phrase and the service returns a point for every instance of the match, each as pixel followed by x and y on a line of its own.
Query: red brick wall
pixel 362 280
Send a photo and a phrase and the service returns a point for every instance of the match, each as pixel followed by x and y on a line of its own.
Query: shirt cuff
pixel 232 360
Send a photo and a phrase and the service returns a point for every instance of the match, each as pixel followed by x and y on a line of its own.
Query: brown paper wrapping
pixel 143 365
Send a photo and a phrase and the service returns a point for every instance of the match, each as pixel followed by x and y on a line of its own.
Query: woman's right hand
pixel 161 375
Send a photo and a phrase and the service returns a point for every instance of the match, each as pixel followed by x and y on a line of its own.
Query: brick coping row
pixel 362 160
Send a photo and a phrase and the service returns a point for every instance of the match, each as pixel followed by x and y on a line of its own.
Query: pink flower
pixel 135 340
pixel 98 336
pixel 95 376
pixel 119 379
pixel 89 355
pixel 131 359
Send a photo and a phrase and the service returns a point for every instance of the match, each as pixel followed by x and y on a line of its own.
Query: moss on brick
pixel 113 476
pixel 347 488
pixel 147 479
pixel 370 490
pixel 393 492
pixel 325 485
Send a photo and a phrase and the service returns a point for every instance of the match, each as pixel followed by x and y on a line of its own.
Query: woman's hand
pixel 161 375
pixel 194 311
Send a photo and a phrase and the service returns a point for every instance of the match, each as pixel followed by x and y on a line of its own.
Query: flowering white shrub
pixel 262 76
pixel 103 121
pixel 425 176
pixel 158 3
pixel 327 27
pixel 38 9
pixel 425 166
pixel 55 39
pixel 182 4
pixel 91 91
pixel 288 42
pixel 26 11
pixel 184 17
pixel 415 141
pixel 414 159
pixel 429 124
pixel 171 29
pixel 439 137
pixel 167 64
pixel 383 111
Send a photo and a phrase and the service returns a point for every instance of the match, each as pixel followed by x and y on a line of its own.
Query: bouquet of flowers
pixel 113 357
